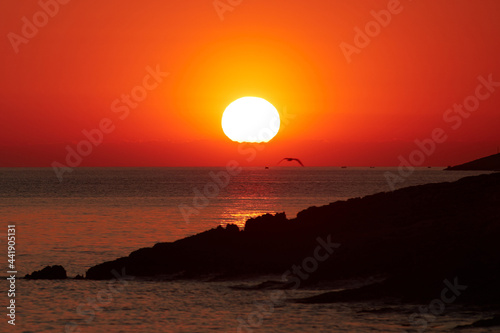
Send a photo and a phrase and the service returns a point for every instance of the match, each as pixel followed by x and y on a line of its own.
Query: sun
pixel 250 119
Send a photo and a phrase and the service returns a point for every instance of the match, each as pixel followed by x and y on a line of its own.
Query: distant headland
pixel 488 163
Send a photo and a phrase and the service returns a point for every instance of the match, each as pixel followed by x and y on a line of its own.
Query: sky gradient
pixel 356 83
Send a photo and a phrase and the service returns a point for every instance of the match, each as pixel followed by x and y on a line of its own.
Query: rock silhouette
pixel 488 163
pixel 414 238
pixel 48 273
pixel 491 322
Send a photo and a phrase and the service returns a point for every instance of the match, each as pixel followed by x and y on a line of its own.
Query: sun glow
pixel 250 119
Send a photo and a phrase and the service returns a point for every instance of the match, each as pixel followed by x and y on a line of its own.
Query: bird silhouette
pixel 289 159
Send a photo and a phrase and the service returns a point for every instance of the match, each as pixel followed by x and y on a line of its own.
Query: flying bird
pixel 289 159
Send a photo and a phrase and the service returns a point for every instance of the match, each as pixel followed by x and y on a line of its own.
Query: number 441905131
pixel 11 238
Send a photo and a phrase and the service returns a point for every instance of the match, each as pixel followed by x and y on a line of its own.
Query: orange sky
pixel 369 109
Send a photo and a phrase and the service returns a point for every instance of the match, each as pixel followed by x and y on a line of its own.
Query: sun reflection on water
pixel 239 218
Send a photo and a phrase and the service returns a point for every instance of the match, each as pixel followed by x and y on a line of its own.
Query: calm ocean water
pixel 99 214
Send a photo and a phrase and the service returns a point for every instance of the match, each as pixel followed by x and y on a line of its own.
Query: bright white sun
pixel 250 119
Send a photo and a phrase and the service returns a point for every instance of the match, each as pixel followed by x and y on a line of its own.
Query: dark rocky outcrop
pixel 55 272
pixel 264 286
pixel 414 237
pixel 491 322
pixel 267 224
pixel 488 163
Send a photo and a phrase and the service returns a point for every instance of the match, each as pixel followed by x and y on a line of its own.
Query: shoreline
pixel 380 235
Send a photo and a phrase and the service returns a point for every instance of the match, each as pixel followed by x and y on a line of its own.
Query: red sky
pixel 364 109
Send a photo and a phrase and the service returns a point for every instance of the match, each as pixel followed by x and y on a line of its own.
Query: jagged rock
pixel 48 273
pixel 232 227
pixel 267 223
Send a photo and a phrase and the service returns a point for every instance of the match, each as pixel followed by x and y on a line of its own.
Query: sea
pixel 92 215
